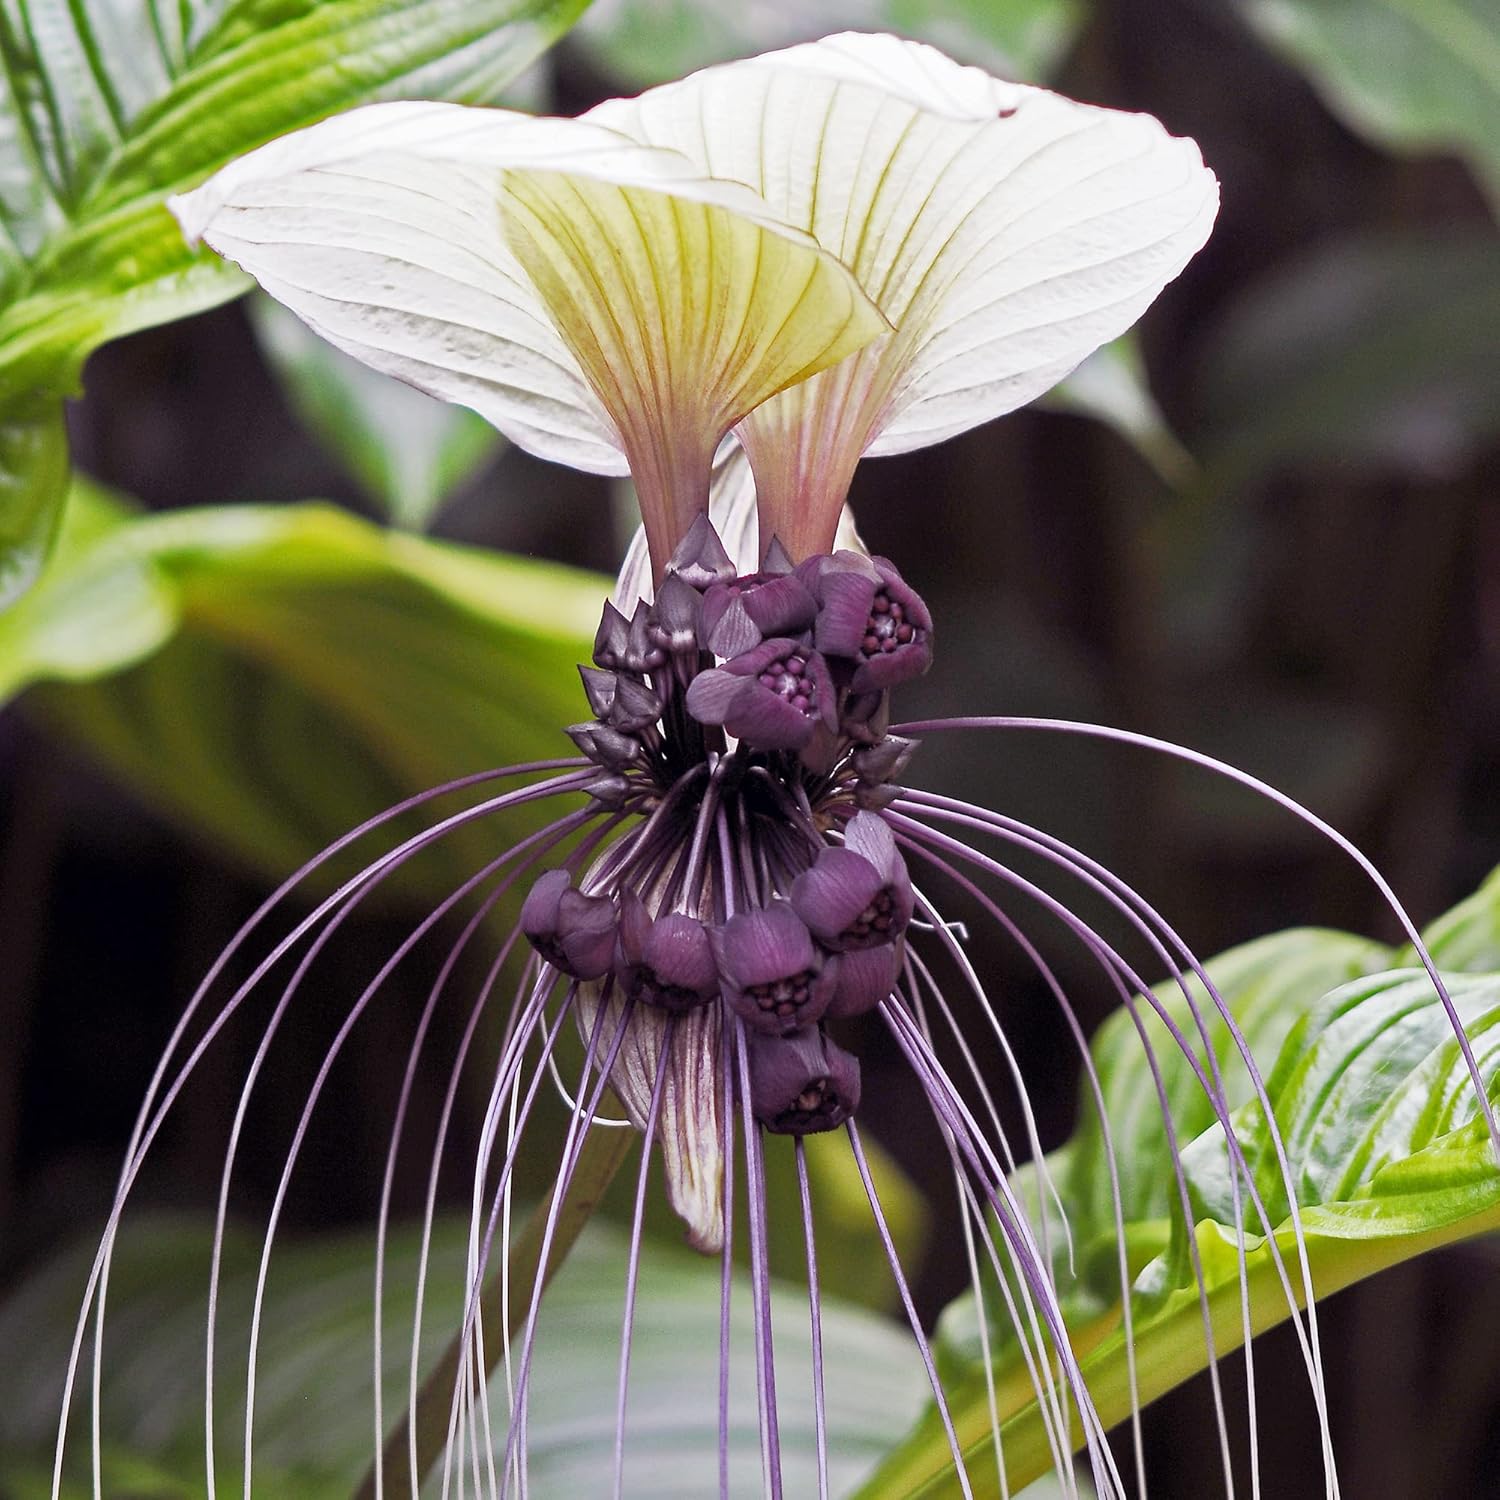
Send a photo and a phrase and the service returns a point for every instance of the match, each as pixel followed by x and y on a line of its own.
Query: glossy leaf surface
pixel 106 107
pixel 252 633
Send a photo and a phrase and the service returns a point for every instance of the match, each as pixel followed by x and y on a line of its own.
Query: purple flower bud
pixel 772 971
pixel 610 638
pixel 608 790
pixel 772 697
pixel 573 932
pixel 777 559
pixel 641 654
pixel 864 717
pixel 675 616
pixel 634 707
pixel 802 1083
pixel 738 616
pixel 851 901
pixel 884 761
pixel 700 559
pixel 881 625
pixel 598 688
pixel 863 979
pixel 665 961
pixel 605 746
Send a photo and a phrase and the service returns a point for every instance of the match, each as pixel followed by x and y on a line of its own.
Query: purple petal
pixel 728 629
pixel 864 979
pixel 711 695
pixel 586 927
pixel 767 721
pixel 763 944
pixel 844 611
pixel 831 895
pixel 539 909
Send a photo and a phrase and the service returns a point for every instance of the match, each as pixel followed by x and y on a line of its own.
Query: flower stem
pixel 600 1157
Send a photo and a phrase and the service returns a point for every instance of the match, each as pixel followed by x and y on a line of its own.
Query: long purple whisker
pixel 815 1319
pixel 1213 1091
pixel 572 1147
pixel 314 1094
pixel 1289 804
pixel 150 1119
pixel 1096 1088
pixel 542 841
pixel 1148 922
pixel 949 1107
pixel 653 1114
pixel 925 1349
pixel 760 1278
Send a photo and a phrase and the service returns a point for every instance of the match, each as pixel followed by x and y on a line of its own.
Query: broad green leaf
pixel 106 106
pixel 273 675
pixel 1368 352
pixel 33 481
pixel 408 450
pixel 1413 74
pixel 646 42
pixel 313 1410
pixel 1388 1153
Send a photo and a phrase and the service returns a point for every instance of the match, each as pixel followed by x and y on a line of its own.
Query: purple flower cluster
pixel 745 717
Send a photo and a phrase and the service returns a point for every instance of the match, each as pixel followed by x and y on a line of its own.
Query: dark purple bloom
pixel 773 697
pixel 738 616
pixel 863 978
pixel 773 974
pixel 857 896
pixel 879 623
pixel 665 960
pixel 573 932
pixel 802 1083
pixel 598 688
pixel 848 903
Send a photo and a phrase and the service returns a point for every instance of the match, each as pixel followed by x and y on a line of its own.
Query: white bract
pixel 618 292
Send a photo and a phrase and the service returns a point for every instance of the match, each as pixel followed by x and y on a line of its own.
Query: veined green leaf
pixel 1412 74
pixel 33 480
pixel 313 1409
pixel 106 106
pixel 1389 1156
pixel 271 675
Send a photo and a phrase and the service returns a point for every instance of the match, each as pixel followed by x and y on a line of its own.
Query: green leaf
pixel 645 42
pixel 1368 352
pixel 271 675
pixel 1110 386
pixel 313 1407
pixel 408 450
pixel 1413 74
pixel 1388 1153
pixel 106 106
pixel 33 480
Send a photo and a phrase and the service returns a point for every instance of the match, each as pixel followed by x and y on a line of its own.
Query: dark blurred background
pixel 1314 595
